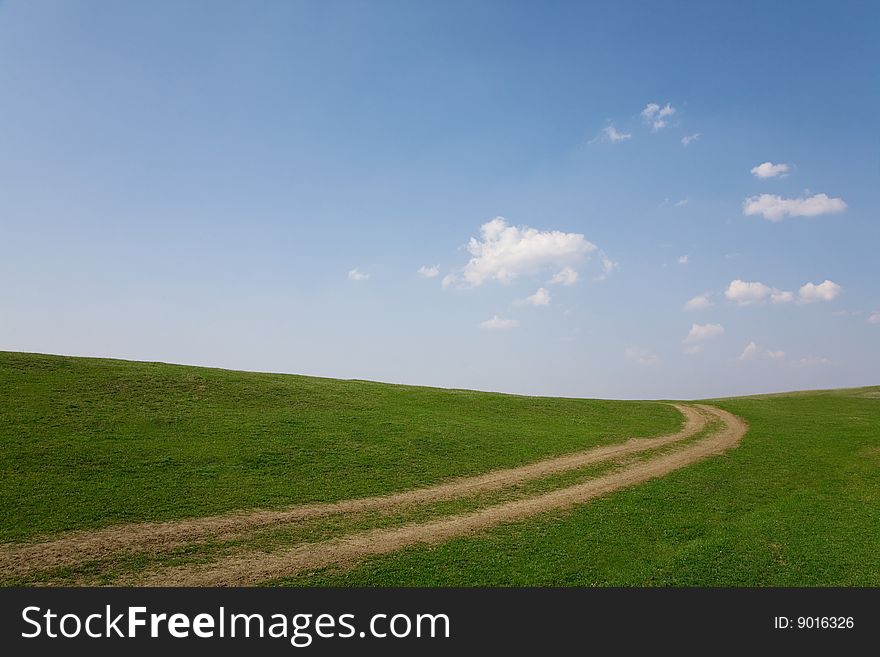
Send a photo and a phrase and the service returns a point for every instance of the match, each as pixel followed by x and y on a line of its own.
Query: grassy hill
pixel 797 504
pixel 88 443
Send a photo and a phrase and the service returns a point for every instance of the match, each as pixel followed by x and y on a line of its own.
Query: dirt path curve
pixel 84 546
pixel 257 566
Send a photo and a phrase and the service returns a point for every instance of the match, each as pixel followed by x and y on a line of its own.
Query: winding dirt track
pixel 84 546
pixel 258 566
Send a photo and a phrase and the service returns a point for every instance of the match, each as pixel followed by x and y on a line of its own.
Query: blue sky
pixel 256 186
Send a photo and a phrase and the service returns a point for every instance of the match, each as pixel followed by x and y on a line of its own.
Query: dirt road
pixel 84 546
pixel 258 566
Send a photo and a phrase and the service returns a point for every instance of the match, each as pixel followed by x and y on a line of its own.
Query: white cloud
pixel 825 291
pixel 608 265
pixel 680 204
pixel 357 275
pixel 687 140
pixel 611 134
pixel 449 279
pixel 565 276
pixel 640 356
pixel 505 252
pixel 656 116
pixel 745 292
pixel 874 317
pixel 769 170
pixel 776 208
pixel 700 332
pixel 496 323
pixel 429 272
pixel 539 298
pixel 693 349
pixel 750 351
pixel 699 302
pixel 779 296
pixel 683 260
pixel 810 361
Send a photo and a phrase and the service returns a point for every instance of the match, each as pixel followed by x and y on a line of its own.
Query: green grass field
pixel 91 442
pixel 88 443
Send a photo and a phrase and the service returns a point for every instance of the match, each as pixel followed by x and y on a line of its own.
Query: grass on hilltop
pixel 89 442
pixel 795 505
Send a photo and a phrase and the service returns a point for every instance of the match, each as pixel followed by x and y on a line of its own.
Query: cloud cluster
pixel 776 208
pixel 745 293
pixel 824 291
pixel 504 252
pixel 429 272
pixel 769 170
pixel 657 117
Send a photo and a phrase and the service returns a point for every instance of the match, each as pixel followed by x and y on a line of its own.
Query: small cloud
pixel 810 361
pixel 731 256
pixel 656 116
pixel 448 280
pixel 779 296
pixel 429 272
pixel 693 349
pixel 680 204
pixel 776 208
pixel 357 275
pixel 700 332
pixel 539 298
pixel 874 317
pixel 750 351
pixel 640 356
pixel 699 302
pixel 825 291
pixel 503 252
pixel 565 276
pixel 769 170
pixel 496 323
pixel 744 293
pixel 611 134
pixel 683 260
pixel 608 265
pixel 687 140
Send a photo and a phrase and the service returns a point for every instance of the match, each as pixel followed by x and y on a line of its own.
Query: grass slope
pixel 88 442
pixel 795 505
